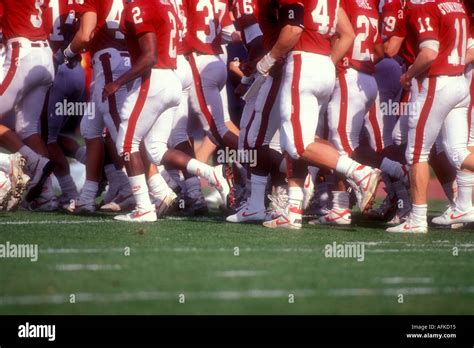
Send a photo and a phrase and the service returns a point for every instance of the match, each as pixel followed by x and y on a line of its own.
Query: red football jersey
pixel 396 14
pixel 205 20
pixel 444 21
pixel 107 33
pixel 392 17
pixel 23 18
pixel 364 17
pixel 60 22
pixel 181 16
pixel 152 16
pixel 268 21
pixel 319 25
pixel 245 14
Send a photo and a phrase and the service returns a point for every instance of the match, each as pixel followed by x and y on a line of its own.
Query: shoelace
pixel 279 201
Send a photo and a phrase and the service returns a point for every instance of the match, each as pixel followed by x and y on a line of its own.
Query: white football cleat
pixel 364 180
pixel 453 216
pixel 166 204
pixel 139 215
pixel 5 190
pixel 78 207
pixel 40 171
pixel 223 182
pixel 409 226
pixel 308 191
pixel 247 214
pixel 283 222
pixel 120 203
pixel 334 217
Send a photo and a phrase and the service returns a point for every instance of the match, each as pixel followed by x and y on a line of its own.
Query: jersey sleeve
pixel 245 13
pixel 139 19
pixel 86 6
pixel 424 20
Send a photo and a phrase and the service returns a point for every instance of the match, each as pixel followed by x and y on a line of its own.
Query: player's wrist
pixel 246 80
pixel 69 53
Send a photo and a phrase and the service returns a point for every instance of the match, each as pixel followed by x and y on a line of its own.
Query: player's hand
pixel 265 64
pixel 405 81
pixel 59 58
pixel 109 89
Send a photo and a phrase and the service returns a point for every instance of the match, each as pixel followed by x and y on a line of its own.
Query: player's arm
pixel 425 58
pixel 345 37
pixel 292 17
pixel 83 36
pixel 145 62
pixel 379 53
pixel 392 46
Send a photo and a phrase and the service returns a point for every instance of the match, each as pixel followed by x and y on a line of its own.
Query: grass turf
pixel 196 258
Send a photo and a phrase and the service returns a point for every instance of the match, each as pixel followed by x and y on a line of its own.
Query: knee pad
pixel 26 131
pixel 155 150
pixel 91 129
pixel 457 156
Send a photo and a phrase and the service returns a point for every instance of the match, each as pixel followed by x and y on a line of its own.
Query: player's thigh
pixel 425 124
pixel 28 112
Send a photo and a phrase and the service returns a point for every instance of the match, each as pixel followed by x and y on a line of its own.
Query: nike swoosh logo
pixel 138 214
pixel 280 222
pixel 407 228
pixel 456 217
pixel 307 182
pixel 244 214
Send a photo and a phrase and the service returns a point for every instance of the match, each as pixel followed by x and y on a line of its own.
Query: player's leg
pixel 433 105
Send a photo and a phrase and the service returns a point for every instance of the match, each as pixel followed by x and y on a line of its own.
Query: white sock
pixel 340 200
pixel 31 156
pixel 202 170
pixel 419 213
pixel 80 154
pixel 448 191
pixel 393 168
pixel 140 191
pixel 68 186
pixel 257 192
pixel 346 165
pixel 89 191
pixel 5 163
pixel 158 186
pixel 465 183
pixel 295 200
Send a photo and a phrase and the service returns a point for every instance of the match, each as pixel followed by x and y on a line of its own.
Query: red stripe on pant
pixel 109 77
pixel 469 111
pixel 137 110
pixel 342 125
pixel 247 131
pixel 374 122
pixel 202 99
pixel 420 127
pixel 267 108
pixel 295 103
pixel 11 70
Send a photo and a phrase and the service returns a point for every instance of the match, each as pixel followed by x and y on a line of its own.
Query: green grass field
pixel 85 256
